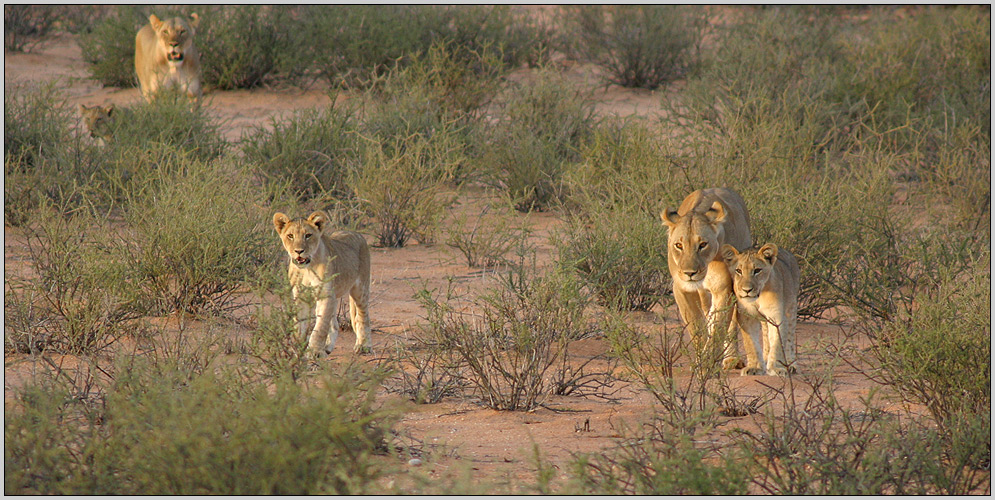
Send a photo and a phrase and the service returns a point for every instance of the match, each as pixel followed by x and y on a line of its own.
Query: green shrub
pixel 486 242
pixel 618 255
pixel 163 430
pixel 359 44
pixel 36 122
pixel 245 44
pixel 437 91
pixel 24 25
pixel 83 300
pixel 936 351
pixel 402 184
pixel 517 336
pixel 931 65
pixel 110 47
pixel 658 461
pixel 309 153
pixel 38 143
pixel 638 45
pixel 497 30
pixel 171 123
pixel 193 248
pixel 542 127
pixel 613 231
pixel 816 446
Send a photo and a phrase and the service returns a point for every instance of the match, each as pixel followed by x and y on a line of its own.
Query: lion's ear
pixel 194 20
pixel 728 253
pixel 109 109
pixel 318 219
pixel 670 217
pixel 155 22
pixel 768 252
pixel 280 221
pixel 716 214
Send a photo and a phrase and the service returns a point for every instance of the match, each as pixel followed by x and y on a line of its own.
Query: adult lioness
pixel 98 121
pixel 706 220
pixel 166 58
pixel 332 264
pixel 766 283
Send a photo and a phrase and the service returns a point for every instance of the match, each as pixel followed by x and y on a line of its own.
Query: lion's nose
pixel 690 274
pixel 299 251
pixel 747 290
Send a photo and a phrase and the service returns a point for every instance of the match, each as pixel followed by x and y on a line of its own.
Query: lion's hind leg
pixel 359 314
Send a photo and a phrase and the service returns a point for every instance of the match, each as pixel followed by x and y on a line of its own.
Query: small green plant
pixel 43 160
pixel 194 249
pixel 84 301
pixel 110 47
pixel 426 371
pixel 36 122
pixel 659 460
pixel 402 184
pixel 512 350
pixel 541 131
pixel 24 25
pixel 310 153
pixel 488 240
pixel 935 351
pixel 169 122
pixel 639 45
pixel 160 429
pixel 815 445
pixel 246 44
pixel 619 256
pixel 359 45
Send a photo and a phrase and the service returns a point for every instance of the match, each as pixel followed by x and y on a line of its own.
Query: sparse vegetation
pixel 638 45
pixel 150 330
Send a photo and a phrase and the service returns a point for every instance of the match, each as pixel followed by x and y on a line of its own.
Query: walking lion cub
pixel 331 264
pixel 766 283
pixel 166 58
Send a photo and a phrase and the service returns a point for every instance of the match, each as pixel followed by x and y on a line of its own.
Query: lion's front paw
pixel 362 349
pixel 315 354
pixel 732 363
pixel 781 370
pixel 752 370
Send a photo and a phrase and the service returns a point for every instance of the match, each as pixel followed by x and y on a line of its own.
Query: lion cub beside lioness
pixel 766 283
pixel 332 264
pixel 166 58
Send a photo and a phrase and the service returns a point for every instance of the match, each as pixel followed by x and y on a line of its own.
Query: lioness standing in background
pixel 706 220
pixel 165 56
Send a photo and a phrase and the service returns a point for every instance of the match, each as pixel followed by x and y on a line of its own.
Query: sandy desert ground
pixel 461 432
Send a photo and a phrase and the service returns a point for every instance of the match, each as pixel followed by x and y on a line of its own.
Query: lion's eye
pixel 756 271
pixel 678 246
pixel 307 236
pixel 290 236
pixel 739 272
pixel 702 245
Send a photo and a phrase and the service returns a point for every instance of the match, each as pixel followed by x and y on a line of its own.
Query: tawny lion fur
pixel 166 57
pixel 766 283
pixel 331 264
pixel 706 220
